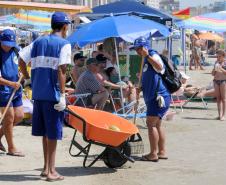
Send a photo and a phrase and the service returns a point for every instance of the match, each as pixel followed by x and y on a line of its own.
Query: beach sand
pixel 196 145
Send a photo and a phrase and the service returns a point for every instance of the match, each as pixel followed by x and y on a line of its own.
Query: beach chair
pixel 75 99
pixel 194 98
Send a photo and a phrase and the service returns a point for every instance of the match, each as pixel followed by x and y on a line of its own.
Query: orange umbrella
pixel 211 36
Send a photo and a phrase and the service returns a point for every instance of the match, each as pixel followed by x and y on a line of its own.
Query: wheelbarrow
pixel 102 129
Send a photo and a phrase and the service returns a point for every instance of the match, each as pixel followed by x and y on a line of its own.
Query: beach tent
pixel 125 7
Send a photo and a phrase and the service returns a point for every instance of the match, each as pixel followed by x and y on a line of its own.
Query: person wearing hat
pixel 8 82
pixel 88 83
pixel 156 96
pixel 79 67
pixel 49 56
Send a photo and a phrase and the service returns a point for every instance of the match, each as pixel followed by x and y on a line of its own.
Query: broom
pixel 10 100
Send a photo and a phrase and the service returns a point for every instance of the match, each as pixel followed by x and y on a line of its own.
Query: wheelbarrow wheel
pixel 114 158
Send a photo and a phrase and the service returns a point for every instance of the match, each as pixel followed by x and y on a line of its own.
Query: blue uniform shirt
pixel 46 54
pixel 8 71
pixel 150 79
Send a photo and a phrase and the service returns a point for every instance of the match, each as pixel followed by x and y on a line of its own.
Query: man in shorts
pixel 49 56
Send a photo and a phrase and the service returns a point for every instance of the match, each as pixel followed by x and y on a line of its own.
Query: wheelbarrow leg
pixel 94 161
pixel 78 146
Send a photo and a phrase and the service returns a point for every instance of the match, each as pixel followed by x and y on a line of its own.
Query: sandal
pixel 145 158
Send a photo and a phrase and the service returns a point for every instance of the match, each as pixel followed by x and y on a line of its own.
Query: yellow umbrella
pixel 211 36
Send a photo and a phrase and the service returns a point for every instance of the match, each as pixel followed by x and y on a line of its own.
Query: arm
pixel 14 85
pixel 24 59
pixel 23 69
pixel 62 77
pixel 74 75
pixel 156 64
pixel 110 84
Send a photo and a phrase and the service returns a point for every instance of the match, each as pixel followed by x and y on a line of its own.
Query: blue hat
pixel 8 38
pixel 140 42
pixel 60 17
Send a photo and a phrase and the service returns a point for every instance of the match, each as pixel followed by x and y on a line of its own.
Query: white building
pixel 152 3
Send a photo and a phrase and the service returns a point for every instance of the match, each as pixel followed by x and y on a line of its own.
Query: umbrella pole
pixel 119 73
pixel 183 45
pixel 139 87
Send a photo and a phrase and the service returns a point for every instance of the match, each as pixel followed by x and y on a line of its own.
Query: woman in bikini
pixel 219 73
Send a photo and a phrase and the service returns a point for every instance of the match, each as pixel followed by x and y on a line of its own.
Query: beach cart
pixel 102 129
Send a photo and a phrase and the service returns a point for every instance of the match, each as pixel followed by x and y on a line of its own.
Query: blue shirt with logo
pixel 46 54
pixel 8 71
pixel 150 78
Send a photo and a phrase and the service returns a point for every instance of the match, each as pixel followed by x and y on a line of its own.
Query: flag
pixel 182 14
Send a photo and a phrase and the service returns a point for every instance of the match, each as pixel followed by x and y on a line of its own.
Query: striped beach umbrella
pixel 39 20
pixel 210 22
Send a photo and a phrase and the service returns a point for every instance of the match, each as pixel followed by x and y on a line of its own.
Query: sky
pixel 187 3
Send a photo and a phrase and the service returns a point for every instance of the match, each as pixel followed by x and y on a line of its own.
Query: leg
pixel 153 137
pixel 162 138
pixel 51 155
pixel 191 61
pixel 218 96
pixel 19 115
pixel 100 99
pixel 45 154
pixel 223 99
pixel 7 129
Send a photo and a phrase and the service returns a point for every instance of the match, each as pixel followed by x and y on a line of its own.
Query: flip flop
pixel 43 174
pixel 163 157
pixel 2 148
pixel 58 178
pixel 145 158
pixel 16 154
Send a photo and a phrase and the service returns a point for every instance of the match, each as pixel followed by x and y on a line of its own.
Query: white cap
pixel 186 77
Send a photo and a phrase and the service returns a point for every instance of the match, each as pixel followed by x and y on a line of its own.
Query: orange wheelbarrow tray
pixel 102 129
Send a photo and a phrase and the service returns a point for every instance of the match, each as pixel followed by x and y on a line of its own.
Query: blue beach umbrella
pixel 125 27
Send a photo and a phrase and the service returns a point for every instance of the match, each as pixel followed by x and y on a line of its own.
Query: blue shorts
pixel 46 121
pixel 154 110
pixel 16 102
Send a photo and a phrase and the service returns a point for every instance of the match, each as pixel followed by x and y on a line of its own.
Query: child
pixel 219 73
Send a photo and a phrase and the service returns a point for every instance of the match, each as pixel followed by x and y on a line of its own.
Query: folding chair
pixel 194 97
pixel 75 98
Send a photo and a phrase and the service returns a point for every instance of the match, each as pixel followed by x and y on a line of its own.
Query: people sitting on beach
pixel 79 66
pixel 130 91
pixel 88 83
pixel 112 81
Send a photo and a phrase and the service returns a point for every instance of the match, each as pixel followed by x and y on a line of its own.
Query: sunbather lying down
pixel 191 90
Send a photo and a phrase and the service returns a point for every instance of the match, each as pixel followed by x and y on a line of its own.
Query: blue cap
pixel 60 17
pixel 140 42
pixel 8 38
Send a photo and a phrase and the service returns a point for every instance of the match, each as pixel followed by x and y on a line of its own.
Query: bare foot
pixel 222 118
pixel 51 177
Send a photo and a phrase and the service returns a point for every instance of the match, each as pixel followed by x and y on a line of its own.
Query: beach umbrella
pixel 210 22
pixel 125 27
pixel 38 20
pixel 211 36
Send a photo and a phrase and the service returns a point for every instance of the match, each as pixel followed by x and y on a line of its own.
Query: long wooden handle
pixel 10 100
pixel 139 85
